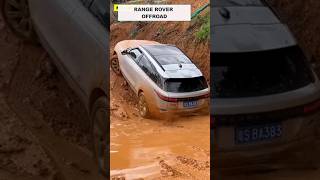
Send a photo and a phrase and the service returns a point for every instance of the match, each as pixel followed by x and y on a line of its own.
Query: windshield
pixel 180 85
pixel 227 3
pixel 258 73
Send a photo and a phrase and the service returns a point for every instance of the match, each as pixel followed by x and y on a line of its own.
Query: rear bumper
pixel 177 108
pixel 302 134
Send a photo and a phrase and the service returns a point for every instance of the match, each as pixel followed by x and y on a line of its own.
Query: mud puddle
pixel 141 145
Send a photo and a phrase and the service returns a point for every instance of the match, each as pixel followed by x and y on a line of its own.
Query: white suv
pixel 162 76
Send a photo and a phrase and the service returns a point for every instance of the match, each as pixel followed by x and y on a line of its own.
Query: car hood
pixel 248 29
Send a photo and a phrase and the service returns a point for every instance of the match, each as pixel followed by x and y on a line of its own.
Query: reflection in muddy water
pixel 139 145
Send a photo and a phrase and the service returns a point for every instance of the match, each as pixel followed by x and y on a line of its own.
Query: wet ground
pixel 175 148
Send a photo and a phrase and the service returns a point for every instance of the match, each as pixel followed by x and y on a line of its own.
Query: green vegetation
pixel 134 33
pixel 203 34
pixel 161 30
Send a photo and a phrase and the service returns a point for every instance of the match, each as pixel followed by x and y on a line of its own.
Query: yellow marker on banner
pixel 115 7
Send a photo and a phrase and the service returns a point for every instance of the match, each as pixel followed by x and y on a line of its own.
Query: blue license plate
pixel 190 104
pixel 260 133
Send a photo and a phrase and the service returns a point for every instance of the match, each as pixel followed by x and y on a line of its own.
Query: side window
pixel 135 54
pixel 150 70
pixel 99 8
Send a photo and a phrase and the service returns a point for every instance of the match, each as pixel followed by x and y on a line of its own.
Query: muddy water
pixel 138 145
pixel 149 136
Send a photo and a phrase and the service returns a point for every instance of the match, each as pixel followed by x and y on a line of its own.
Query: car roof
pixel 240 28
pixel 162 52
pixel 168 62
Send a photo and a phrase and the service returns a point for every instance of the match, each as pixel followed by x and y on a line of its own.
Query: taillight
pixel 312 107
pixel 204 96
pixel 169 99
pixel 165 98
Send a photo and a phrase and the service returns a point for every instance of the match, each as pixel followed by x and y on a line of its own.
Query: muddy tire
pixel 17 17
pixel 115 65
pixel 100 130
pixel 143 107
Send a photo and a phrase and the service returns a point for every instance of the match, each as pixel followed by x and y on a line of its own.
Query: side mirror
pixel 125 52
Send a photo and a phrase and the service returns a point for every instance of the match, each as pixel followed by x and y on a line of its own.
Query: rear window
pixel 258 73
pixel 226 3
pixel 180 85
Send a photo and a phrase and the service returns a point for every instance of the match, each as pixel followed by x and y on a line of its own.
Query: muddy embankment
pixel 174 148
pixel 303 18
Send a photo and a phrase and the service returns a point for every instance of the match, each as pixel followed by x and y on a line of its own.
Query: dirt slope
pixel 303 18
pixel 181 34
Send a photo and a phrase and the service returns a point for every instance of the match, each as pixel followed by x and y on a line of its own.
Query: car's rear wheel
pixel 17 17
pixel 143 106
pixel 115 65
pixel 100 130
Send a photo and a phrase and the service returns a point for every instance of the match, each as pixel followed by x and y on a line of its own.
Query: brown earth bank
pixel 170 148
pixel 303 18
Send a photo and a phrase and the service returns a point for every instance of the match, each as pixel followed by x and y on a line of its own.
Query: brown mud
pixel 149 148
